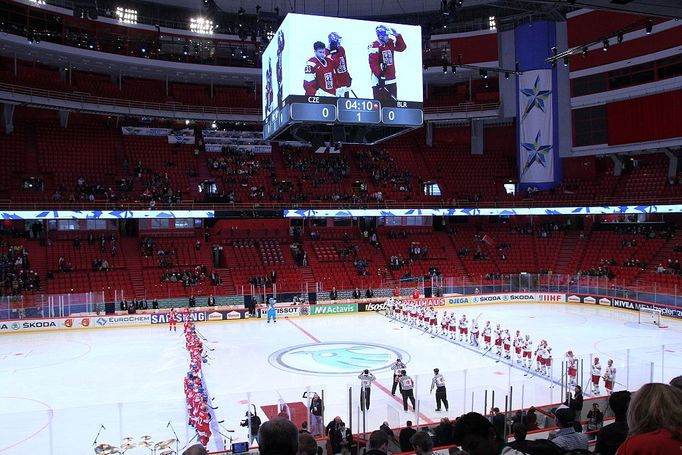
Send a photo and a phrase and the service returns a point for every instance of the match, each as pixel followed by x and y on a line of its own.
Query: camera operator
pixel 253 422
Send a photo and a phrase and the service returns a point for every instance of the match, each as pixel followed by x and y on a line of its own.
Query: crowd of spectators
pixel 189 277
pixel 672 267
pixel 16 275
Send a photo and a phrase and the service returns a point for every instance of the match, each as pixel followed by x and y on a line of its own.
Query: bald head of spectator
pixel 278 437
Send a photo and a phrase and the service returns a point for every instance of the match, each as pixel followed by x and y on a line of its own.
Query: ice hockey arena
pixel 296 227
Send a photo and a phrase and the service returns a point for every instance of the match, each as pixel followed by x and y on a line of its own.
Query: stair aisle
pixel 130 252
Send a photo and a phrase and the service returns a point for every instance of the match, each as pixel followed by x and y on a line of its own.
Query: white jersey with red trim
pixel 596 369
pixel 610 373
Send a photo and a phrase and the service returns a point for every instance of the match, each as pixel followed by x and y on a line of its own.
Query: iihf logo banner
pixel 536 129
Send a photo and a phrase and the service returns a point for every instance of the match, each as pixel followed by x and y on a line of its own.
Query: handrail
pixel 175 106
pixel 82 98
pixel 8 204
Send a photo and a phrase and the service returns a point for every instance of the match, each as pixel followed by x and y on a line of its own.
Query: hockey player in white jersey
pixel 539 352
pixel 518 346
pixel 571 368
pixel 498 339
pixel 609 376
pixel 507 342
pixel 474 333
pixel 463 325
pixel 595 371
pixel 527 352
pixel 487 336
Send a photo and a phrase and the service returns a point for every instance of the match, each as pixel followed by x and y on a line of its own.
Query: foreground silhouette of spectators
pixel 612 436
pixel 676 382
pixel 422 443
pixel 378 443
pixel 307 444
pixel 655 421
pixel 476 435
pixel 196 449
pixel 567 438
pixel 278 437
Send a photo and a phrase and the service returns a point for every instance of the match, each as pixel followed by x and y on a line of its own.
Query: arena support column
pixel 8 118
pixel 538 121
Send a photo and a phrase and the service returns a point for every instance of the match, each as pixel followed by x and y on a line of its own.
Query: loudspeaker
pixel 338 134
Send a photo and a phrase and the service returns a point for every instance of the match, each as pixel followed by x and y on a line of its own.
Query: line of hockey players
pixel 596 375
pixel 195 392
pixel 462 330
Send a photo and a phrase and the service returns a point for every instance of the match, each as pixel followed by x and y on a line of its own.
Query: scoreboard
pixel 340 80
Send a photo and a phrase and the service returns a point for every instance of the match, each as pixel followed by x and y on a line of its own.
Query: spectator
pixel 405 436
pixel 575 403
pixel 498 421
pixel 476 435
pixel 520 442
pixel 677 382
pixel 306 444
pixel 304 429
pixel 278 437
pixel 316 409
pixel 341 439
pixel 612 436
pixel 332 426
pixel 196 449
pixel 595 419
pixel 333 295
pixel 378 443
pixel 386 429
pixel 567 438
pixel 655 421
pixel 422 443
pixel 443 432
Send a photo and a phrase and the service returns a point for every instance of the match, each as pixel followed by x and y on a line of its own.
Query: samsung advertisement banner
pixel 329 57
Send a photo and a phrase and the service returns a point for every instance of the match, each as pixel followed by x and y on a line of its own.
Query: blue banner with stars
pixel 539 165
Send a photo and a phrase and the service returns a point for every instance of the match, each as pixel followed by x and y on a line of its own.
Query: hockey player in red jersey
pixel 268 88
pixel 318 79
pixel 342 79
pixel 280 60
pixel 172 320
pixel 382 63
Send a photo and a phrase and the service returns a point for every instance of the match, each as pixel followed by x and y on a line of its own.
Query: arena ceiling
pixel 374 8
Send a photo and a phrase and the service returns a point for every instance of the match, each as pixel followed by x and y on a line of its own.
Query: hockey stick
pixel 389 93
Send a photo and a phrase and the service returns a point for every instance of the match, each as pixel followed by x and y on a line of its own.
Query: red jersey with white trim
pixel 341 75
pixel 383 53
pixel 319 77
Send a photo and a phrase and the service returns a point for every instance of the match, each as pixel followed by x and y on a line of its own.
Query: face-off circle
pixel 337 358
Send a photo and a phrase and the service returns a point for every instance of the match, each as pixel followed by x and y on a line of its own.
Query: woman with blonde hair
pixel 655 421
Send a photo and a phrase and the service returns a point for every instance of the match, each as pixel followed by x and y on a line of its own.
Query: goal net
pixel 650 316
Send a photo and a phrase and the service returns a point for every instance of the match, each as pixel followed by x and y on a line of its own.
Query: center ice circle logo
pixel 336 359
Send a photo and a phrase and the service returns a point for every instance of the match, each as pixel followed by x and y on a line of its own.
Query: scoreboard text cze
pixel 331 71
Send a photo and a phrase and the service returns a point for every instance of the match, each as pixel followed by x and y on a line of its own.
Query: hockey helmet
pixel 334 37
pixel 569 353
pixel 366 371
pixel 596 360
pixel 436 370
pixel 610 362
pixel 382 33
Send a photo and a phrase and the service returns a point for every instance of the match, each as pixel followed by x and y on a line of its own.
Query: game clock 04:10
pixel 355 110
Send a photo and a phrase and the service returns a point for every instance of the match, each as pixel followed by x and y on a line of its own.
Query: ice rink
pixel 59 389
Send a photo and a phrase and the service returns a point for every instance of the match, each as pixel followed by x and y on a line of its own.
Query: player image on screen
pixel 318 79
pixel 280 50
pixel 268 88
pixel 382 63
pixel 342 78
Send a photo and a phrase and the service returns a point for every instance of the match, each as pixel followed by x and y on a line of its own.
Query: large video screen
pixel 331 58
